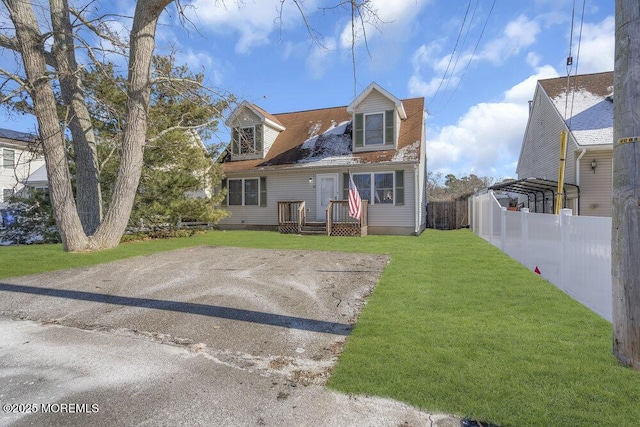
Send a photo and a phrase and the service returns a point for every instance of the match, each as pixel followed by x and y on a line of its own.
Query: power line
pixel 573 93
pixel 472 55
pixel 452 54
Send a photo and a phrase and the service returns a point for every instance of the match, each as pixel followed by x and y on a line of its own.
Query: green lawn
pixel 453 326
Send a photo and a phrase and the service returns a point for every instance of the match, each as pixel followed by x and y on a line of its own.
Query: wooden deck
pixel 292 219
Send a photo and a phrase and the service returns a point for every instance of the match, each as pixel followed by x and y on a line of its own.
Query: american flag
pixel 355 202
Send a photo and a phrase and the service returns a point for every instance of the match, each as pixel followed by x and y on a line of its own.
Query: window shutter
pixel 345 186
pixel 259 139
pixel 235 149
pixel 389 129
pixel 399 188
pixel 263 191
pixel 224 188
pixel 358 130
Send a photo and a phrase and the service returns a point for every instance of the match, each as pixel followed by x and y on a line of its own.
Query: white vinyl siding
pixel 294 185
pixel 540 156
pixel 595 187
pixel 375 103
pixel 270 135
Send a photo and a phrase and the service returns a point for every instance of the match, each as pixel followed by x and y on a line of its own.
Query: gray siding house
pixel 294 167
pixel 585 111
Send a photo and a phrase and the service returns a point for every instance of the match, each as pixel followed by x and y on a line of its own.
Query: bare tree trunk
pixel 88 194
pixel 626 186
pixel 142 44
pixel 44 104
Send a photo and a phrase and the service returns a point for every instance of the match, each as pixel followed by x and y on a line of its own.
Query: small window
pixel 374 129
pixel 8 159
pixel 244 192
pixel 7 193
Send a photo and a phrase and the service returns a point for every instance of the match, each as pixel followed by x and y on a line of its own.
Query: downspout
pixel 584 151
pixel 563 156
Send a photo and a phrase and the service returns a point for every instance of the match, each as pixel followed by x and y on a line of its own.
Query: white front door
pixel 326 190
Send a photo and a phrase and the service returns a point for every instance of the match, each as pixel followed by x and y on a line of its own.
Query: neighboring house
pixel 277 163
pixel 586 111
pixel 21 164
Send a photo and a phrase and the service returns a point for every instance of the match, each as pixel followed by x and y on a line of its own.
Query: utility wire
pixel 464 41
pixel 573 93
pixel 470 57
pixel 452 54
pixel 569 61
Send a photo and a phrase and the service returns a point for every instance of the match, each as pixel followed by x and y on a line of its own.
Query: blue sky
pixel 476 95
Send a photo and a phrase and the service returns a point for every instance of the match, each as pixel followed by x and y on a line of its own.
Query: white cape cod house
pixel 290 171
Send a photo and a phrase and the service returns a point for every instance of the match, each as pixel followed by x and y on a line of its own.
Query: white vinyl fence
pixel 572 252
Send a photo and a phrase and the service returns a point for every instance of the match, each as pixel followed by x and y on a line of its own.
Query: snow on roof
pixel 409 153
pixel 315 138
pixel 589 106
pixel 589 116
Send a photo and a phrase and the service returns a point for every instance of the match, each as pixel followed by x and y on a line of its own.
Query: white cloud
pixel 523 91
pixel 419 87
pixel 518 34
pixel 319 59
pixel 597 48
pixel 252 21
pixel 486 140
pixel 391 20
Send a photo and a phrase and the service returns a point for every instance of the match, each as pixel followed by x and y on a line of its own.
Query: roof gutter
pixel 377 165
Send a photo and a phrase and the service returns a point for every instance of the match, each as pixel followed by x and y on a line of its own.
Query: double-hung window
pixel 374 129
pixel 8 159
pixel 377 188
pixel 247 192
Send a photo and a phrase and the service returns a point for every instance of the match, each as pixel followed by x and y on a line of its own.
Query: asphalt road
pixel 200 336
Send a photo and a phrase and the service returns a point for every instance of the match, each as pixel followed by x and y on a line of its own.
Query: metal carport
pixel 539 186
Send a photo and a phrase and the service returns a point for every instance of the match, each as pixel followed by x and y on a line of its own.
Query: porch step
pixel 314 228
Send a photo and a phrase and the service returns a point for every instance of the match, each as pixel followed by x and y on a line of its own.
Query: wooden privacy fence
pixel 448 214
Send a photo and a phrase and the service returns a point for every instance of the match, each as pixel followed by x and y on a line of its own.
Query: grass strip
pixel 453 326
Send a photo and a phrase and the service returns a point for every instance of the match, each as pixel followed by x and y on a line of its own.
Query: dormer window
pixel 247 140
pixel 374 129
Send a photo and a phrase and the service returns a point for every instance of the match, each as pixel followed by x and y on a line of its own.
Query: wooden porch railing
pixel 339 223
pixel 291 216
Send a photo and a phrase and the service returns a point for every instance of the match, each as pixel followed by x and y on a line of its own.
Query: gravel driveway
pixel 198 336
